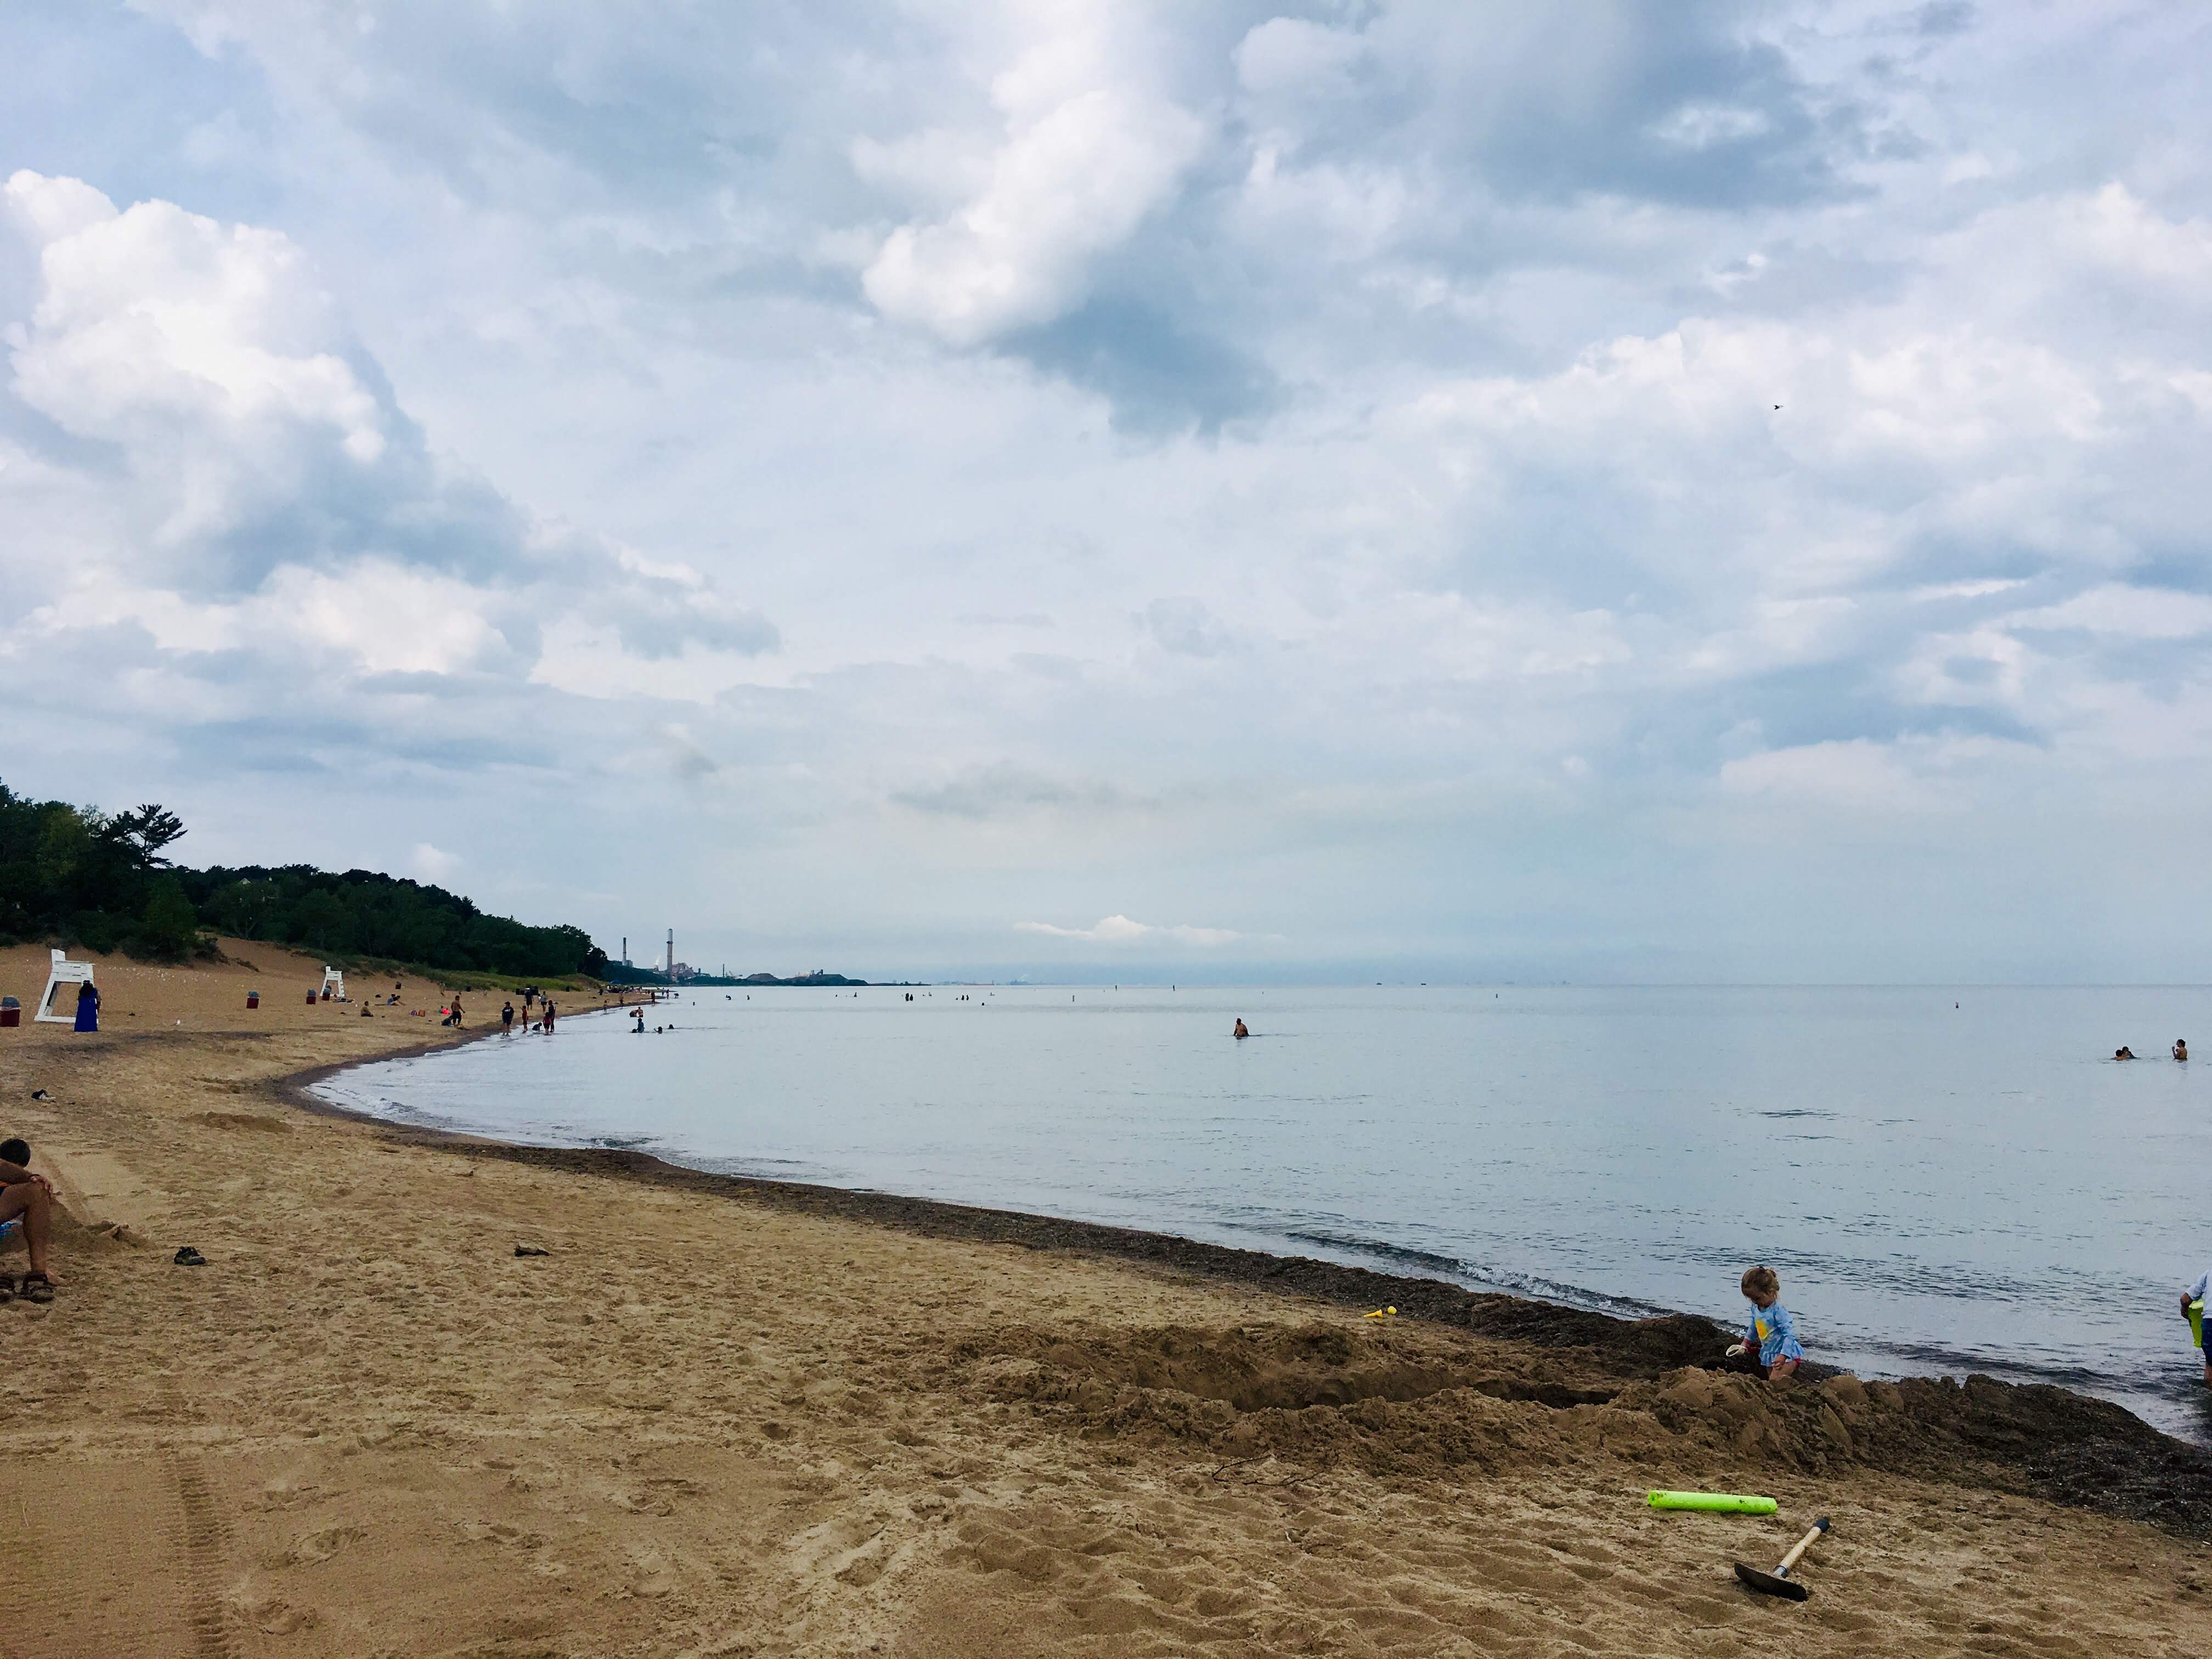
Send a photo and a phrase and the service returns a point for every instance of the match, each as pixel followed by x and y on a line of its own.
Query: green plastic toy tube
pixel 1721 1503
pixel 2196 1323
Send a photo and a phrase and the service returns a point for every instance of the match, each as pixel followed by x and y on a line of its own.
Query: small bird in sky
pixel 1777 405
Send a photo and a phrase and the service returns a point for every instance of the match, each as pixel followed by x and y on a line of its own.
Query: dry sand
pixel 718 1419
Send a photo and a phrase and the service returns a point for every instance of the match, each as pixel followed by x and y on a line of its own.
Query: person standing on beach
pixel 2195 1293
pixel 507 1018
pixel 87 1007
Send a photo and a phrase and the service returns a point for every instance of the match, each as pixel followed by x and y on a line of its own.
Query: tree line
pixel 77 875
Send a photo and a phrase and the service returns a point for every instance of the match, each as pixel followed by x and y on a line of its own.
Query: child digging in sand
pixel 1770 1340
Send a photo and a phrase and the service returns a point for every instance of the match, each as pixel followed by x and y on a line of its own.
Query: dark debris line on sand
pixel 2030 1438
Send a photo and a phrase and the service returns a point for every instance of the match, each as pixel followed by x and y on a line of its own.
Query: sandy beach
pixel 728 1418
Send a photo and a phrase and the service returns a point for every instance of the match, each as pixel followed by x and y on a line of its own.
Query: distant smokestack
pixel 625 950
pixel 671 953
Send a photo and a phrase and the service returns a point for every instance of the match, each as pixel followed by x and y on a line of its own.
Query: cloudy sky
pixel 1371 487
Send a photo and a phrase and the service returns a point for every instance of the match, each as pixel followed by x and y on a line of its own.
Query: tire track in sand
pixel 201 1538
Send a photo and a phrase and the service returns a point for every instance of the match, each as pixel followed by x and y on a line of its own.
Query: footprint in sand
pixel 315 1548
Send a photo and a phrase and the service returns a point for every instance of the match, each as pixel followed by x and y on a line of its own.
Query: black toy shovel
pixel 1779 1582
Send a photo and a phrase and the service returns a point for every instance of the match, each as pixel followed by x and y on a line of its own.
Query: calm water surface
pixel 1942 1189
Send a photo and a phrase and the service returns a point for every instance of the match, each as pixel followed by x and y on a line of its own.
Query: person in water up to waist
pixel 1240 1031
pixel 2181 1047
pixel 1771 1333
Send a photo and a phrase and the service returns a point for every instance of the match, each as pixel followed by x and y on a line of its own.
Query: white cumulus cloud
pixel 433 864
pixel 1090 146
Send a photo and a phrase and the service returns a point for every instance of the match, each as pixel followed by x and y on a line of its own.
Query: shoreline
pixel 712 1414
pixel 2043 1439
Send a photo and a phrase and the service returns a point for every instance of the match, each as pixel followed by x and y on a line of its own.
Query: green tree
pixel 101 880
pixel 65 847
pixel 316 920
pixel 171 925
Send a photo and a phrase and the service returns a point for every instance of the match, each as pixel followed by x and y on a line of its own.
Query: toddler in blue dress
pixel 1770 1337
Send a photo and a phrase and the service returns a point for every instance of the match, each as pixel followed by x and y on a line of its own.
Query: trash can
pixel 253 999
pixel 313 998
pixel 11 1011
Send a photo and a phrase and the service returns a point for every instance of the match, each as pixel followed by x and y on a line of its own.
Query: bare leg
pixel 1780 1369
pixel 29 1199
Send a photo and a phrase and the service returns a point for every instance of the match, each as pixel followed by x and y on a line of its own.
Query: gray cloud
pixel 997 791
pixel 1183 625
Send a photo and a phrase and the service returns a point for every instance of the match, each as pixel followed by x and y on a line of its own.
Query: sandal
pixel 36 1287
pixel 189 1257
pixel 7 1287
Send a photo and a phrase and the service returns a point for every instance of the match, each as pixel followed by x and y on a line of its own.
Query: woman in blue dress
pixel 87 1007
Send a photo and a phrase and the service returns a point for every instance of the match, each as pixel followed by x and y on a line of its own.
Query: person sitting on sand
pixel 2181 1047
pixel 2123 1053
pixel 1770 1340
pixel 1240 1031
pixel 26 1207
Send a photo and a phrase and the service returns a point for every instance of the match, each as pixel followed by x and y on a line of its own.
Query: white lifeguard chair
pixel 62 972
pixel 333 984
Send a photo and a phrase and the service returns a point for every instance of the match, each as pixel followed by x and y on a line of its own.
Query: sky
pixel 1372 488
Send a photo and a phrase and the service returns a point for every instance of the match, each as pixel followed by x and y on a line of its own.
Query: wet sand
pixel 725 1417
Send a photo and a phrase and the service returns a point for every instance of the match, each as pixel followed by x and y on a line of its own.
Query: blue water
pixel 1941 1189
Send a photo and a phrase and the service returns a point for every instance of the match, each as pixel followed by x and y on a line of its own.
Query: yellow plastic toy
pixel 1379 1312
pixel 2196 1323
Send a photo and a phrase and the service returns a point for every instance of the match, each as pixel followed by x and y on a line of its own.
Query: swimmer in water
pixel 2123 1053
pixel 1240 1032
pixel 2181 1047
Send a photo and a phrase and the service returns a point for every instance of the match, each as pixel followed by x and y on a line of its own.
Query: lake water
pixel 1942 1189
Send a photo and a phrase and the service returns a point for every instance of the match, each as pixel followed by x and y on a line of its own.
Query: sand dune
pixel 712 1421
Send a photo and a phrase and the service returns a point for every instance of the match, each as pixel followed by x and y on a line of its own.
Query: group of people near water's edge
pixel 452 1013
pixel 545 1014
